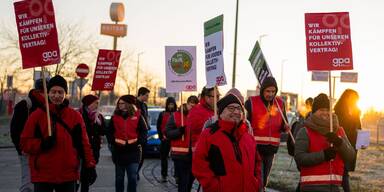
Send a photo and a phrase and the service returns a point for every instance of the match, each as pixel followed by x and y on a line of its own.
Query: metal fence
pixel 376 130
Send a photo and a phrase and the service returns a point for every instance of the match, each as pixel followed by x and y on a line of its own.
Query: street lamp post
pixel 260 37
pixel 137 70
pixel 281 75
pixel 235 47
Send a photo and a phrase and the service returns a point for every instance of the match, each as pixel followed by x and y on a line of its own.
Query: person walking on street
pixel 348 115
pixel 54 159
pixel 95 126
pixel 141 102
pixel 226 157
pixel 128 133
pixel 181 152
pixel 21 112
pixel 165 145
pixel 321 153
pixel 267 123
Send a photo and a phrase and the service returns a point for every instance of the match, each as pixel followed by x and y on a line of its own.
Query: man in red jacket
pixel 267 122
pixel 54 159
pixel 226 158
pixel 200 114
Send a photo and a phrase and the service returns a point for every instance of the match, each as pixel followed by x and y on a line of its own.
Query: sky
pixel 279 24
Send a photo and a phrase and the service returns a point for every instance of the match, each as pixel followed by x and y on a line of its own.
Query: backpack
pixel 296 126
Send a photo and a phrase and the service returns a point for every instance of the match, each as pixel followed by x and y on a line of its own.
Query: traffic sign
pixel 82 70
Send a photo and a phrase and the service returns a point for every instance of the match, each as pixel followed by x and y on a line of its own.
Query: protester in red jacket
pixel 226 158
pixel 165 145
pixel 200 114
pixel 181 152
pixel 54 159
pixel 127 132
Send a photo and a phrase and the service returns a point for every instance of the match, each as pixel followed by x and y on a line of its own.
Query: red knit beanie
pixel 89 99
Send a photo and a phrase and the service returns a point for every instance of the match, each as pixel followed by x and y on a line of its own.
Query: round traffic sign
pixel 82 70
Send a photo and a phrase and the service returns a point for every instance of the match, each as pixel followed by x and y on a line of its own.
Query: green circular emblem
pixel 181 62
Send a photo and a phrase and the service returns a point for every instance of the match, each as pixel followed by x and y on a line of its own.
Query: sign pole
pixel 330 101
pixel 285 121
pixel 214 102
pixel 81 88
pixel 181 108
pixel 46 102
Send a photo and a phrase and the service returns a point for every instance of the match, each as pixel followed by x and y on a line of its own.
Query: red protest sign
pixel 328 40
pixel 82 70
pixel 106 68
pixel 36 26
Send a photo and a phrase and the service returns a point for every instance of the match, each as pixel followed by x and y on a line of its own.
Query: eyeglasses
pixel 233 108
pixel 211 96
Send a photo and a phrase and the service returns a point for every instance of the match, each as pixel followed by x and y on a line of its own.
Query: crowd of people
pixel 227 143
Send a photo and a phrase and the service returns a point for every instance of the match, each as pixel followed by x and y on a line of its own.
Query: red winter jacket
pixel 60 163
pixel 198 115
pixel 225 162
pixel 126 130
pixel 180 146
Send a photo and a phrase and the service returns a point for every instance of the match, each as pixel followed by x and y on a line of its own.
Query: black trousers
pixel 184 172
pixel 50 187
pixel 267 161
pixel 165 147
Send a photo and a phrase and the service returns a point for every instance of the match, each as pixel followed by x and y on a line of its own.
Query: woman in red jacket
pixel 54 159
pixel 226 158
pixel 127 132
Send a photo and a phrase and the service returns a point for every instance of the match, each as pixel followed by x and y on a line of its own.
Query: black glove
pixel 91 175
pixel 334 139
pixel 47 143
pixel 182 129
pixel 329 153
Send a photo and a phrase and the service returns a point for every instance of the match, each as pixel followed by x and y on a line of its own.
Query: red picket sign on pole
pixel 328 40
pixel 38 42
pixel 106 69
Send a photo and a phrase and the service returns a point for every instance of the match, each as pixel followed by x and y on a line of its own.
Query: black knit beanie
pixel 225 101
pixel 320 101
pixel 58 81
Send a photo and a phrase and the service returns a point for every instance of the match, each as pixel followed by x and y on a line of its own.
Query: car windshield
pixel 153 114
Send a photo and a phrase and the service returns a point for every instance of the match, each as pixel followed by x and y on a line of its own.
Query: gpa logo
pixel 341 62
pixel 108 85
pixel 49 56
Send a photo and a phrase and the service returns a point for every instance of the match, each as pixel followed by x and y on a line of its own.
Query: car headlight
pixel 155 136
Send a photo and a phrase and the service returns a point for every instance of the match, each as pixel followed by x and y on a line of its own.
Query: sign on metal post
pixel 348 77
pixel 320 76
pixel 115 30
pixel 82 70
